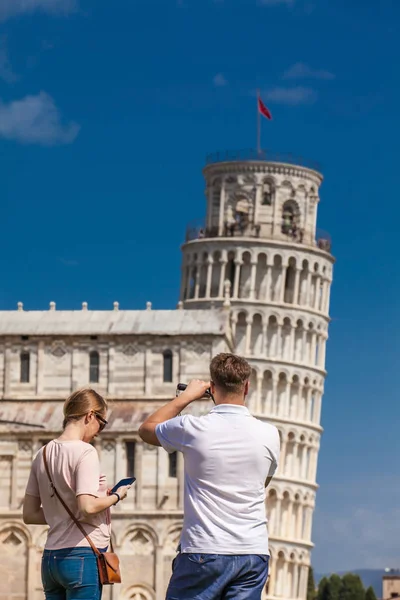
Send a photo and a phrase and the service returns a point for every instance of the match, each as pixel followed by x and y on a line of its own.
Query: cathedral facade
pixel 256 277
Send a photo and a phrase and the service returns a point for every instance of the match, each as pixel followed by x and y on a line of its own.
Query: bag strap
pixel 93 547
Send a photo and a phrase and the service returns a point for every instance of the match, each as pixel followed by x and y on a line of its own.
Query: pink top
pixel 75 470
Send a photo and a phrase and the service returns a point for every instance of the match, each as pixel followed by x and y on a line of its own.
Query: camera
pixel 181 387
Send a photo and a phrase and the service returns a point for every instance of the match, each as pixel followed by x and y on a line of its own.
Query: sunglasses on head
pixel 102 422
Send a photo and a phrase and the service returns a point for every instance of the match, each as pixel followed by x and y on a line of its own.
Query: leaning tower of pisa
pixel 260 244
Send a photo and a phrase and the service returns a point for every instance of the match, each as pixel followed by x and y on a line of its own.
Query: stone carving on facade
pixel 197 347
pixel 138 592
pixel 172 540
pixel 57 350
pixel 12 540
pixel 108 446
pixel 25 446
pixel 138 542
pixel 130 349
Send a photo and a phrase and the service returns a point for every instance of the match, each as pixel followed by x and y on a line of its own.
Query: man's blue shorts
pixel 218 577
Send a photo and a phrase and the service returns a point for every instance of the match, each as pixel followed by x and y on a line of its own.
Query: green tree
pixel 311 585
pixel 335 586
pixel 323 589
pixel 351 588
pixel 370 594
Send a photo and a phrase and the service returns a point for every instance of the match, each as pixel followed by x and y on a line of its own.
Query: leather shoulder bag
pixel 107 562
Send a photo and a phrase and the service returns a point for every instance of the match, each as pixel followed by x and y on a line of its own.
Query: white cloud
pixel 302 71
pixel 219 80
pixel 6 71
pixel 13 8
pixel 35 120
pixel 291 96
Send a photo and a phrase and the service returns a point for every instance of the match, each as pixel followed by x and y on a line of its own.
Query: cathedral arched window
pixel 94 368
pixel 167 366
pixel 24 367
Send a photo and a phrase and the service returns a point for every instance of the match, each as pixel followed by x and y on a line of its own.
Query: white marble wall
pixel 130 367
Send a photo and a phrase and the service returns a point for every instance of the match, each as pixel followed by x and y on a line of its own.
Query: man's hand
pixel 196 390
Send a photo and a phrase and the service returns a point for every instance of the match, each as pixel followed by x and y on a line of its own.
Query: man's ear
pixel 212 387
pixel 246 387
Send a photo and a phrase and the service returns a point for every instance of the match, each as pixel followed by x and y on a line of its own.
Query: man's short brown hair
pixel 229 372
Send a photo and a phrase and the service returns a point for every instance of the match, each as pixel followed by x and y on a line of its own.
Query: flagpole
pixel 258 125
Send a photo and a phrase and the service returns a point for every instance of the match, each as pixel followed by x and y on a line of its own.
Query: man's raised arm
pixel 194 391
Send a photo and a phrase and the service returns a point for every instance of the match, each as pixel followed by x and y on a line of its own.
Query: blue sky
pixel 107 112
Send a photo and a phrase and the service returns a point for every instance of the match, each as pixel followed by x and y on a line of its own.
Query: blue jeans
pixel 218 577
pixel 70 574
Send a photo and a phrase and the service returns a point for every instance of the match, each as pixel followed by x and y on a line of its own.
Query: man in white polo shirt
pixel 229 459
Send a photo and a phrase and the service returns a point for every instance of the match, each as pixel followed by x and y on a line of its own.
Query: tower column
pixel 289 516
pixel 309 400
pixel 259 393
pixel 309 287
pixel 282 284
pixel 279 340
pixel 308 523
pixel 304 346
pixel 264 339
pixel 313 348
pixel 284 579
pixel 286 405
pixel 317 410
pixel 328 297
pixel 249 323
pixel 299 400
pixel 253 280
pixel 296 286
pixel 209 194
pixel 233 326
pixel 317 292
pixel 282 456
pixel 314 463
pixel 294 471
pixel 295 581
pixel 274 395
pixel 268 284
pixel 292 342
pixel 224 262
pixel 197 279
pixel 238 264
pixel 272 576
pixel 324 290
pixel 323 351
pixel 299 523
pixel 221 209
pixel 209 276
pixel 257 201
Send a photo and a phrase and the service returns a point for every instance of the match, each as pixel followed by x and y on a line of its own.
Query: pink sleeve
pixel 32 487
pixel 87 475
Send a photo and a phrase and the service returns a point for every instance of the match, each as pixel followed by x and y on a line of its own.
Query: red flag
pixel 263 109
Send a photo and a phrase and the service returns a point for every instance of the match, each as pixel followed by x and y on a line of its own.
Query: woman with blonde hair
pixel 69 566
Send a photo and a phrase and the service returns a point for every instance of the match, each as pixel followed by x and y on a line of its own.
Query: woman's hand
pixel 123 491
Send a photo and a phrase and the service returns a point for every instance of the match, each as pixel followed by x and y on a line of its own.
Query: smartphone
pixel 126 481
